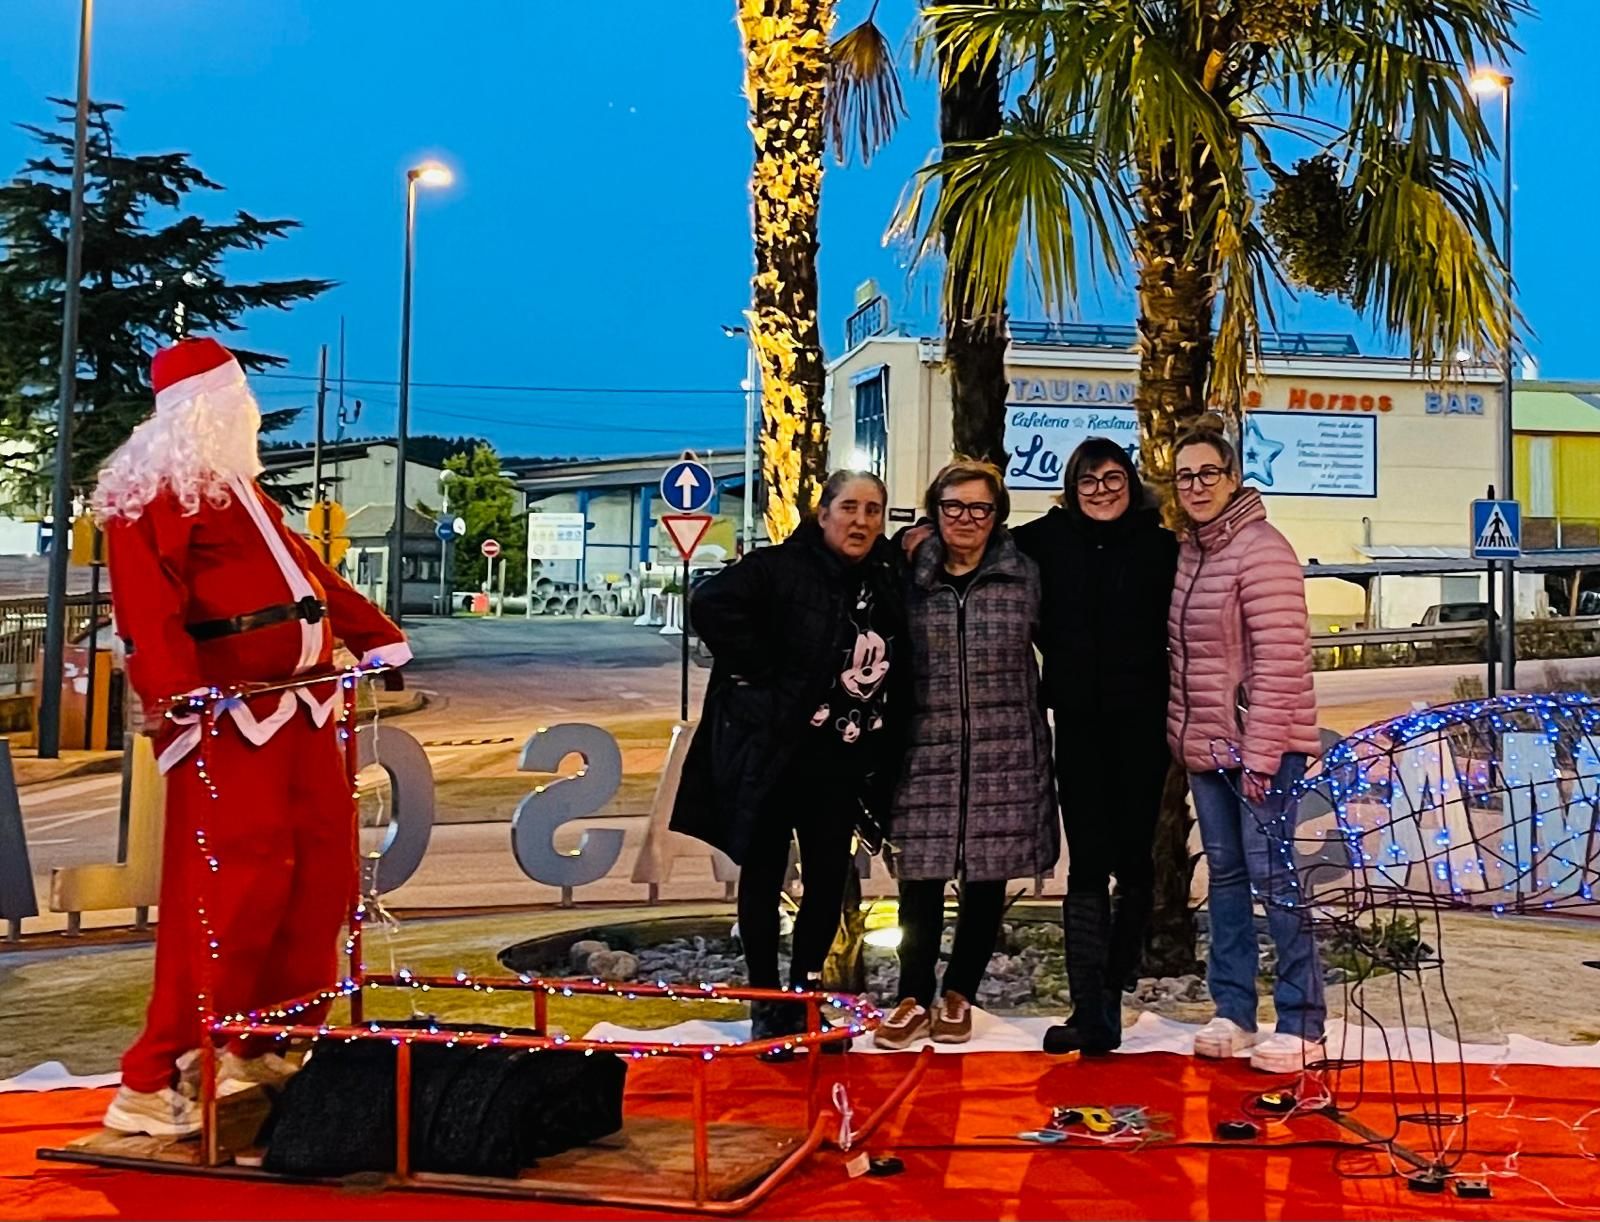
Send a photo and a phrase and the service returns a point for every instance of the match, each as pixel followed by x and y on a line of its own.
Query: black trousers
pixel 922 926
pixel 824 821
pixel 1110 780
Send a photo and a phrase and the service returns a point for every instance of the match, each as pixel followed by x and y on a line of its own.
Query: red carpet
pixel 951 1135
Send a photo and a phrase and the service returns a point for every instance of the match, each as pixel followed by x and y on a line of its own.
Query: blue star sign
pixel 1259 453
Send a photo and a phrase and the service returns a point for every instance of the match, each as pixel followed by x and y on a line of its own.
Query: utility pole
pixel 317 494
pixel 55 620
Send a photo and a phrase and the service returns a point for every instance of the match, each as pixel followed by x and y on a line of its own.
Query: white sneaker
pixel 157 1113
pixel 1283 1053
pixel 1222 1037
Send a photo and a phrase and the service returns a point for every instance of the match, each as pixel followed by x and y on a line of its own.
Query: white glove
pixel 396 654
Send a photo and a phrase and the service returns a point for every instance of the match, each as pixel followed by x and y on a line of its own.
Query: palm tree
pixel 864 102
pixel 786 74
pixel 1155 128
pixel 804 93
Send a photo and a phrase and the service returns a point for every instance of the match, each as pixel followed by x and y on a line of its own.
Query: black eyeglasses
pixel 978 511
pixel 1111 481
pixel 1206 477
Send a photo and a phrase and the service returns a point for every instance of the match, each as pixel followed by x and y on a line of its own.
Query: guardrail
pixel 1537 639
pixel 22 635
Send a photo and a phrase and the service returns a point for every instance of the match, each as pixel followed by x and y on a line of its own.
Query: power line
pixel 574 390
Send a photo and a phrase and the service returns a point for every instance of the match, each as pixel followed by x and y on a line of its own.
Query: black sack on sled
pixel 474 1111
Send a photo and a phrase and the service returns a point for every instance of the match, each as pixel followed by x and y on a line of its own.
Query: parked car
pixel 1443 614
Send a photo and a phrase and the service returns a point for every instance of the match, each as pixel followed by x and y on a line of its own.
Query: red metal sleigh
pixel 725 1169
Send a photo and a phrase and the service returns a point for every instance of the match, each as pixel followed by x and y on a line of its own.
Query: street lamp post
pixel 55 622
pixel 444 542
pixel 430 174
pixel 748 534
pixel 1487 83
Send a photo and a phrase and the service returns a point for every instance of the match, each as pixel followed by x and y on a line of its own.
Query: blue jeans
pixel 1250 852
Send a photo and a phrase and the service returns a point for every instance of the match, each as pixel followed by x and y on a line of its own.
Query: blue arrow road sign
pixel 687 486
pixel 443 529
pixel 1496 530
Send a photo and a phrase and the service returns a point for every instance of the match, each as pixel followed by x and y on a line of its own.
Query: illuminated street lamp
pixel 430 174
pixel 1487 83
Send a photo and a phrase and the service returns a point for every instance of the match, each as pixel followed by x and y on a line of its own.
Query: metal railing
pixel 22 635
pixel 1537 639
pixel 1121 336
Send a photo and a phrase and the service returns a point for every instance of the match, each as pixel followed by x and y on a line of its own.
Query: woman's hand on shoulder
pixel 913 537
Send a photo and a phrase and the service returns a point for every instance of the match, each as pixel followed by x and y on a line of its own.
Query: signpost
pixel 687 486
pixel 1497 535
pixel 446 530
pixel 325 523
pixel 88 550
pixel 686 530
pixel 491 552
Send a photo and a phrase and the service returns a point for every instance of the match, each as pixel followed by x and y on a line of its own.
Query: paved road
pixel 500 680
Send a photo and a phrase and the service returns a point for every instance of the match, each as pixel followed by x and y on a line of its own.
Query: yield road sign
pixel 687 486
pixel 686 531
pixel 490 548
pixel 1496 530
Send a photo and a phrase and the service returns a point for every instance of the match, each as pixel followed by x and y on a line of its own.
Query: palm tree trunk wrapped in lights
pixel 786 74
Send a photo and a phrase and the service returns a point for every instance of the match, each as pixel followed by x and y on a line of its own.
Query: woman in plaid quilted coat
pixel 976 801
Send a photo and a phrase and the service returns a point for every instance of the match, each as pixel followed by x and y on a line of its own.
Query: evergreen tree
pixel 151 272
pixel 487 501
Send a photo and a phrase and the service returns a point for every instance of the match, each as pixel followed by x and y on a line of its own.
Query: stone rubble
pixel 1026 975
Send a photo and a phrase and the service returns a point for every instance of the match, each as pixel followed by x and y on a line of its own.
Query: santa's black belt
pixel 308 609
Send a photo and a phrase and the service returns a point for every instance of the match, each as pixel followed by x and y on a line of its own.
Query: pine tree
pixel 151 272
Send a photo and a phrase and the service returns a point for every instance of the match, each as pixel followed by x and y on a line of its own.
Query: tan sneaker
pixel 236 1073
pixel 952 1020
pixel 903 1026
pixel 156 1113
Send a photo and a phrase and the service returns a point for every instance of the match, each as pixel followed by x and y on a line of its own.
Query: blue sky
pixel 598 231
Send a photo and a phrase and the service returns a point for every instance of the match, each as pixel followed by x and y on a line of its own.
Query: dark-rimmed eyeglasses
pixel 1206 477
pixel 1112 482
pixel 978 511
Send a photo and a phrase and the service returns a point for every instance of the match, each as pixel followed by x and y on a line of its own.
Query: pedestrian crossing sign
pixel 1496 530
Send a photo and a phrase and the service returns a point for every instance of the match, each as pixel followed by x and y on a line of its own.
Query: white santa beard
pixel 191 449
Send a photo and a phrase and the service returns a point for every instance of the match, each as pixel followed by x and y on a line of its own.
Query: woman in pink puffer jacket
pixel 1242 717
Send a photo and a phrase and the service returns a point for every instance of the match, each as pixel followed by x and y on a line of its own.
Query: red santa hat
pixel 193 367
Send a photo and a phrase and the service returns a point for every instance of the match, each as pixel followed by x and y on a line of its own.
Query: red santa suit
pixel 218 593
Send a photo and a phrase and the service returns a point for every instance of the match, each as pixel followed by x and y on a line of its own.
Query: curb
pixel 96 767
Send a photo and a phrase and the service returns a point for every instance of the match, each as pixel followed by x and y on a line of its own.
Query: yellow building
pixel 1360 458
pixel 1558 462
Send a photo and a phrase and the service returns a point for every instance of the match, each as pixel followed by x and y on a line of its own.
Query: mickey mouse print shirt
pixel 853 707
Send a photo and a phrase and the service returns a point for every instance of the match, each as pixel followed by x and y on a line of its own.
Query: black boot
pixel 813 984
pixel 1091 1029
pixel 771 1020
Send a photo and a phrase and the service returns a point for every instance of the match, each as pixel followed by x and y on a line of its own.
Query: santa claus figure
pixel 213 594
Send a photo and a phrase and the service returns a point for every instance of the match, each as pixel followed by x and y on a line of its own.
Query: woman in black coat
pixel 802 731
pixel 1107 566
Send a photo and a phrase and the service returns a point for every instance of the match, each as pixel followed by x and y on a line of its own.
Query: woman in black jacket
pixel 1107 566
pixel 801 728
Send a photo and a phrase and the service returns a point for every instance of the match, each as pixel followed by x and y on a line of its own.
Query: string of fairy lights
pixel 786 71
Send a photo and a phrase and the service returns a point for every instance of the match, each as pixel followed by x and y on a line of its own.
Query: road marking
pixel 48 792
pixel 39 844
pixel 56 822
